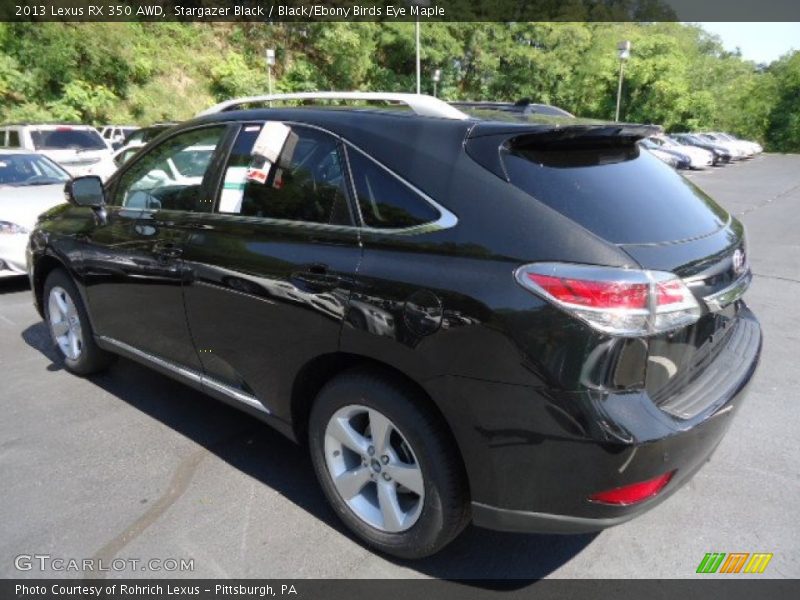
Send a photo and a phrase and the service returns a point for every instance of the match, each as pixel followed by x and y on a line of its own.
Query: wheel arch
pixel 42 267
pixel 311 378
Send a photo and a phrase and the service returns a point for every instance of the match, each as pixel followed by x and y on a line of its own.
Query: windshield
pixel 616 192
pixel 67 138
pixel 29 169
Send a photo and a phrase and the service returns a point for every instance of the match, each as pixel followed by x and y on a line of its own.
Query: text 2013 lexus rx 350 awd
pixel 533 326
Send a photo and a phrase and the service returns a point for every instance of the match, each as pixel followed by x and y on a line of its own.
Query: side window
pixel 13 139
pixel 170 176
pixel 290 173
pixel 384 200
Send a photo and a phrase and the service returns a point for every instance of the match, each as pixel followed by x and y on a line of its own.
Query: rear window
pixel 67 139
pixel 621 194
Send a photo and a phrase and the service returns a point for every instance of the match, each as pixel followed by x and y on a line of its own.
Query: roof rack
pixel 426 106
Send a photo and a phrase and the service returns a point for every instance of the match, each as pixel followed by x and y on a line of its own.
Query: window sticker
pixel 233 189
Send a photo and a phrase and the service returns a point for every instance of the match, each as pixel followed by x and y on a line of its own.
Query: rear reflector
pixel 634 493
pixel 627 302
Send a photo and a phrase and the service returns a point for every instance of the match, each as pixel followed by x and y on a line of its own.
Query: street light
pixel 624 49
pixel 418 4
pixel 270 57
pixel 437 77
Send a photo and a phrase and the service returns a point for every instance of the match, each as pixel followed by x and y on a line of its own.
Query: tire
pixel 423 517
pixel 70 330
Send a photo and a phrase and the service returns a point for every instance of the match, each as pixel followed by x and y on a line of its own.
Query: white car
pixel 80 149
pixel 116 134
pixel 737 150
pixel 700 158
pixel 665 157
pixel 30 184
pixel 752 147
pixel 122 155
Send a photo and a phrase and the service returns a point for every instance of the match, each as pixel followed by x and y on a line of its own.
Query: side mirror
pixel 86 191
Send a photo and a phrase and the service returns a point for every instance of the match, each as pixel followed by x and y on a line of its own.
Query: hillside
pixel 678 75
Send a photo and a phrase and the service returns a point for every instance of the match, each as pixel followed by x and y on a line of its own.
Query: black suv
pixel 536 327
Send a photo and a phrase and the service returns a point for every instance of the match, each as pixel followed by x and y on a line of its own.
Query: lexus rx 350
pixel 531 326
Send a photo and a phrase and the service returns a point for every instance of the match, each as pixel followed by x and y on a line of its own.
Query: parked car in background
pixel 737 150
pixel 536 326
pixel 673 159
pixel 115 134
pixel 699 158
pixel 143 135
pixel 79 149
pixel 722 153
pixel 123 154
pixel 137 140
pixel 30 184
pixel 751 147
pixel 522 107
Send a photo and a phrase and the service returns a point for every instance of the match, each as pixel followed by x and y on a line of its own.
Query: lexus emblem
pixel 739 264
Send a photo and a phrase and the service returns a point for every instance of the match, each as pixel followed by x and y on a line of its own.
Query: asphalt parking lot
pixel 130 464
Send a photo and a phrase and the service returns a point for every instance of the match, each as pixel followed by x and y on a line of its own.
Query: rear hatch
pixel 597 176
pixel 75 148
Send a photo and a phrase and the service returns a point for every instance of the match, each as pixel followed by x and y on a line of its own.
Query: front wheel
pixel 387 465
pixel 69 326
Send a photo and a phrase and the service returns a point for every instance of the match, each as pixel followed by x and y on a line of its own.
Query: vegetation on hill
pixel 678 75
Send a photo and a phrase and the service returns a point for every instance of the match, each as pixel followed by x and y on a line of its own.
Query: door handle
pixel 315 278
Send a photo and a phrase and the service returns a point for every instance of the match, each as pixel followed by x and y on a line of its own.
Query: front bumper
pixel 533 457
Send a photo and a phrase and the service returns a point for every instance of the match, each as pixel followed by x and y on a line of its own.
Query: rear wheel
pixel 387 466
pixel 69 326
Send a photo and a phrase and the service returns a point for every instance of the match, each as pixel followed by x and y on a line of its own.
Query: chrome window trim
pixel 446 218
pixel 189 374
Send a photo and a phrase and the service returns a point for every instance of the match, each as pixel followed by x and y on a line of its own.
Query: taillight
pixel 616 301
pixel 633 493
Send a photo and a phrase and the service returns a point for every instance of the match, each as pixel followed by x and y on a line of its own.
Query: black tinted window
pixel 619 193
pixel 385 201
pixel 301 180
pixel 67 138
pixel 13 139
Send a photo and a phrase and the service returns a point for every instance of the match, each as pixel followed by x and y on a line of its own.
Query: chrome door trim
pixel 188 374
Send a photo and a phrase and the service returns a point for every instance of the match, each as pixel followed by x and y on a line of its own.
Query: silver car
pixel 30 184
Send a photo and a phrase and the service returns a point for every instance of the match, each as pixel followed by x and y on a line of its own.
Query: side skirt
pixel 199 381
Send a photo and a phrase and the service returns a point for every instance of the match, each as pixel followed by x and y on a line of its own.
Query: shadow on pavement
pixel 488 559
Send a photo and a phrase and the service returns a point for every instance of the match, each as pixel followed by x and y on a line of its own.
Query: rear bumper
pixel 534 457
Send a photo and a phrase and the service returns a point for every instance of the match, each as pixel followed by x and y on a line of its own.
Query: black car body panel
pixel 544 409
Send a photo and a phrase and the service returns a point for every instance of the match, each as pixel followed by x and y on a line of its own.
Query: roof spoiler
pixel 486 140
pixel 559 134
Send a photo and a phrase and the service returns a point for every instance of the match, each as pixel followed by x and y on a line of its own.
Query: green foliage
pixel 678 75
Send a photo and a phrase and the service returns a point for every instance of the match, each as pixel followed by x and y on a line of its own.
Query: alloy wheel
pixel 65 323
pixel 374 469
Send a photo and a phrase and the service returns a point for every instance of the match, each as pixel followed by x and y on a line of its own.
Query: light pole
pixel 270 56
pixel 418 4
pixel 624 49
pixel 437 76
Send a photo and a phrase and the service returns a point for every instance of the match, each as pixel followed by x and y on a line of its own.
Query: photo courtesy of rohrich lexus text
pixel 423 297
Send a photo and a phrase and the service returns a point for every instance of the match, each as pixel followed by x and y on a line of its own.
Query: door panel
pixel 133 266
pixel 268 290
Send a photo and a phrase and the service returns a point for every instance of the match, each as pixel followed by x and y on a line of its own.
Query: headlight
pixel 11 228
